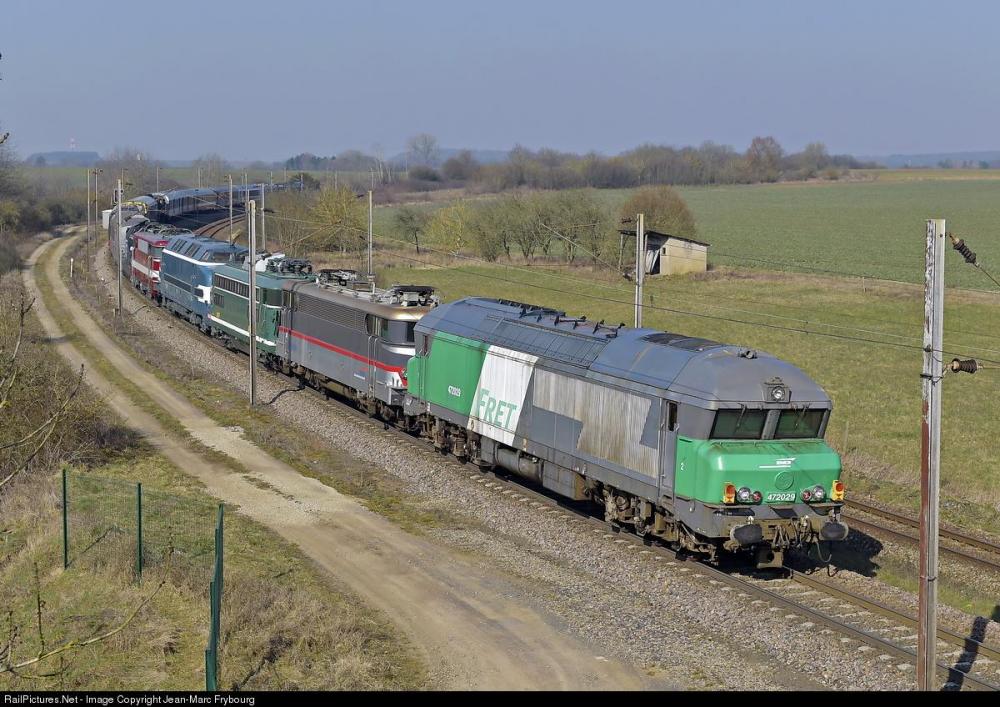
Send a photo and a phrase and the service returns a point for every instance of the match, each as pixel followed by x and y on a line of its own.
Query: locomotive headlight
pixel 744 495
pixel 777 394
pixel 837 492
pixel 818 493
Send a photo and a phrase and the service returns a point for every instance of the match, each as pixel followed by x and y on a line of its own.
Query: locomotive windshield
pixel 739 424
pixel 799 424
pixel 401 332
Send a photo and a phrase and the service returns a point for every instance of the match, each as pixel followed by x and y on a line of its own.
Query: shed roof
pixel 656 235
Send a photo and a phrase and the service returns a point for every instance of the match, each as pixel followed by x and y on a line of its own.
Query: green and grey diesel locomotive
pixel 704 445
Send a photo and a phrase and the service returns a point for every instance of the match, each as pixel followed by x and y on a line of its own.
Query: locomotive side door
pixel 372 353
pixel 668 446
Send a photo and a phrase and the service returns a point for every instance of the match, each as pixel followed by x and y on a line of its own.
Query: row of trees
pixel 573 226
pixel 763 161
pixel 576 227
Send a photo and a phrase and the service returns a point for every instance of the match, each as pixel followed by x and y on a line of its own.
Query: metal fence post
pixel 220 553
pixel 138 530
pixel 65 514
pixel 215 609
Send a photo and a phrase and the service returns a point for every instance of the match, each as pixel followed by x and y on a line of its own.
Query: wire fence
pixel 119 527
pixel 215 611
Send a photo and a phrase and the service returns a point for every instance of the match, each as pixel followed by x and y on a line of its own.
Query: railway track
pixel 216 228
pixel 879 630
pixel 884 632
pixel 989 560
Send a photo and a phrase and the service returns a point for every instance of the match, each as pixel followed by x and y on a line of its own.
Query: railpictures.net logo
pixel 130 700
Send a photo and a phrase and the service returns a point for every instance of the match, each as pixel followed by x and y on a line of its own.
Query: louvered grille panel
pixel 329 311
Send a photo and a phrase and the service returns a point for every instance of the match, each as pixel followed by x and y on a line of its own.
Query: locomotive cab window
pixel 799 424
pixel 376 326
pixel 401 332
pixel 739 424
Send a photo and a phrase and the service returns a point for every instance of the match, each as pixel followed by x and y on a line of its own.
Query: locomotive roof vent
pixel 679 341
pixel 410 296
pixel 341 277
pixel 289 266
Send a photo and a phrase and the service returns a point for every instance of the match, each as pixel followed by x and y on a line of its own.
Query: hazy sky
pixel 267 79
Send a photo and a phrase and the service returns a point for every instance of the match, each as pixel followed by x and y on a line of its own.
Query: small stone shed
pixel 672 255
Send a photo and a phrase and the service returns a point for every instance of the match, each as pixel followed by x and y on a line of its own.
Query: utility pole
pixel 371 274
pixel 252 277
pixel 930 454
pixel 157 179
pixel 88 211
pixel 640 265
pixel 121 247
pixel 96 212
pixel 230 209
pixel 199 177
pixel 263 221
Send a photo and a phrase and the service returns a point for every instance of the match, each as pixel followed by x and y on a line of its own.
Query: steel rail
pixel 876 529
pixel 912 522
pixel 966 643
pixel 950 674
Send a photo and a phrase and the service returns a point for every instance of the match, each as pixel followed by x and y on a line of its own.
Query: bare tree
pixel 423 149
pixel 10 178
pixel 665 211
pixel 139 169
pixel 412 222
pixel 764 158
pixel 340 217
pixel 214 168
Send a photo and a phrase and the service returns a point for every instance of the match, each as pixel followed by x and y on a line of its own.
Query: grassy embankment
pixel 285 625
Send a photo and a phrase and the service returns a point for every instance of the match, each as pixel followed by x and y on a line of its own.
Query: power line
pixel 731 320
pixel 711 306
pixel 970 257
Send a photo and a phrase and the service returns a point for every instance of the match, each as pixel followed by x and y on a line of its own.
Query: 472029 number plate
pixel 773 497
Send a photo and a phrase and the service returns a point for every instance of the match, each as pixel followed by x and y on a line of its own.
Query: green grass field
pixel 875 229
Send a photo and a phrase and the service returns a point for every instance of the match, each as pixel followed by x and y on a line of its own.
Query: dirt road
pixel 476 628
